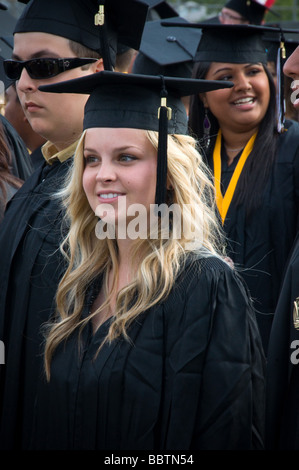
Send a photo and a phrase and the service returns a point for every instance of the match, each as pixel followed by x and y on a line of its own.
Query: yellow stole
pixel 223 202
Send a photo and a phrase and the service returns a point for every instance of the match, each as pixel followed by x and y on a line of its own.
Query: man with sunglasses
pixel 53 41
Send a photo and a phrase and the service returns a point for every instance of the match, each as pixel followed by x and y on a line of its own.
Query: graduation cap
pixel 160 9
pixel 157 10
pixel 135 101
pixel 253 10
pixel 233 43
pixel 167 51
pixel 96 24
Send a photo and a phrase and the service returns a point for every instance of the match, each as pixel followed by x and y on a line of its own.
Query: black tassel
pixel 162 149
pixel 105 51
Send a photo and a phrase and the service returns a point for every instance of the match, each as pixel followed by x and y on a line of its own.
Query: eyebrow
pixel 42 53
pixel 116 149
pixel 224 69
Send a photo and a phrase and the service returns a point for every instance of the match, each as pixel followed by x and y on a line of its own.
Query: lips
pixel 30 106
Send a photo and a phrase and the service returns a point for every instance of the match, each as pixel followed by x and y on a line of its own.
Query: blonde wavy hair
pixel 162 259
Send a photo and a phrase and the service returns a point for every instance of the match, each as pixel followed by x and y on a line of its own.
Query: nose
pixel 242 82
pixel 291 66
pixel 26 83
pixel 106 172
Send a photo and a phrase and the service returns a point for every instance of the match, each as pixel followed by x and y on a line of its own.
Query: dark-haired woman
pixel 256 171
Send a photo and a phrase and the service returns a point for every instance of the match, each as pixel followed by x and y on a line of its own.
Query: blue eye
pixel 126 158
pixel 91 159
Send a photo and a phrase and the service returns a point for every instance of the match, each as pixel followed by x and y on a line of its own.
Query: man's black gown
pixel 31 266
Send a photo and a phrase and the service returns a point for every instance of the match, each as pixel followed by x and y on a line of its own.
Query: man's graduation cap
pixel 97 24
pixel 167 51
pixel 253 10
pixel 140 102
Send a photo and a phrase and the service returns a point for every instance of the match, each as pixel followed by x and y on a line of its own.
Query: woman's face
pixel 243 106
pixel 120 167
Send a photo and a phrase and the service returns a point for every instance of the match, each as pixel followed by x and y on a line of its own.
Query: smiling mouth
pixel 241 101
pixel 109 195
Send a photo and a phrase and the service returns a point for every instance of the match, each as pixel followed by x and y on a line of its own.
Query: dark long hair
pixel 260 161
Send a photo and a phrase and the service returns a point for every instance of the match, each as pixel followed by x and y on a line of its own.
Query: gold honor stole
pixel 223 202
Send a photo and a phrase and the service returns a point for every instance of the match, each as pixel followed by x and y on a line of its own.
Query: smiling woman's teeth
pixel 244 101
pixel 109 195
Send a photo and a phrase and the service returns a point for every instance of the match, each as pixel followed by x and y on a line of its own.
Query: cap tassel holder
pixel 280 99
pixel 164 114
pixel 99 20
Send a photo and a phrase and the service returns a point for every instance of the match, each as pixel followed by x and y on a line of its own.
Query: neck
pixel 235 142
pixel 124 250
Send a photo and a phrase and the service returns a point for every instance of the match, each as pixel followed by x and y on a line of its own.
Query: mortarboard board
pixel 138 102
pixel 253 10
pixel 167 51
pixel 160 9
pixel 96 24
pixel 157 9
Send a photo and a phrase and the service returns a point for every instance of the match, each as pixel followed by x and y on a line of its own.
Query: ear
pixel 98 66
pixel 203 98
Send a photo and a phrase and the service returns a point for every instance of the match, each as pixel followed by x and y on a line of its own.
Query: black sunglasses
pixel 42 68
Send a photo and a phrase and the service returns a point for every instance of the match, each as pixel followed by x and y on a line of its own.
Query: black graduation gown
pixel 191 378
pixel 260 244
pixel 31 266
pixel 282 410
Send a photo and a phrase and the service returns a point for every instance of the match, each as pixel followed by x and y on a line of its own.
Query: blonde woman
pixel 154 345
